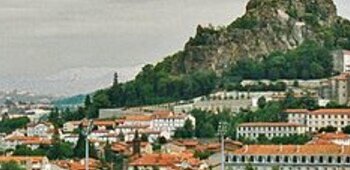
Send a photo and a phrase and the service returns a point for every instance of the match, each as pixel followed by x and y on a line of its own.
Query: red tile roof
pixel 165 160
pixel 296 111
pixel 344 111
pixel 330 111
pixel 138 118
pixel 35 159
pixel 331 136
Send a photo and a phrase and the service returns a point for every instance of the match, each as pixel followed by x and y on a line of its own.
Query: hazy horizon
pixel 63 46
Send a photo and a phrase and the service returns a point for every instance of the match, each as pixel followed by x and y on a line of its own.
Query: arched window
pixel 303 159
pixel 277 159
pixel 321 159
pixel 242 159
pixel 234 159
pixel 347 159
pixel 251 159
pixel 260 159
pixel 295 159
pixel 330 159
pixel 338 159
pixel 286 159
pixel 268 159
pixel 312 159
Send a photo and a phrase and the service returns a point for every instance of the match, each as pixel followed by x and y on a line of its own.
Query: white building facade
pixel 317 119
pixel 269 129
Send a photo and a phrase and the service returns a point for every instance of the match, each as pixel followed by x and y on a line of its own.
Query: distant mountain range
pixel 68 82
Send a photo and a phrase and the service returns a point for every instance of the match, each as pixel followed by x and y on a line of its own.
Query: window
pixel 312 159
pixel 295 159
pixel 251 159
pixel 277 159
pixel 268 158
pixel 242 159
pixel 303 159
pixel 260 159
pixel 321 159
pixel 338 159
pixel 234 159
pixel 330 159
pixel 286 159
pixel 347 159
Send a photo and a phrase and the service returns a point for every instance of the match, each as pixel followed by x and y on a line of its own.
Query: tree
pixel 60 150
pixel 206 131
pixel 12 165
pixel 121 136
pixel 346 129
pixel 10 125
pixel 276 168
pixel 187 131
pixel 23 150
pixel 144 138
pixel 262 102
pixel 202 155
pixel 162 140
pixel 262 139
pixel 328 129
pixel 87 102
pixel 296 83
pixel 79 149
pixel 249 167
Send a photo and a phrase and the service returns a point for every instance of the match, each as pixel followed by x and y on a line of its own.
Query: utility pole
pixel 221 132
pixel 86 134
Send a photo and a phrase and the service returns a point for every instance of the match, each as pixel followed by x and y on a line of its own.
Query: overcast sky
pixel 45 37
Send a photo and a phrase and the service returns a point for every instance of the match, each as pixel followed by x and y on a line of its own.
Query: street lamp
pixel 86 133
pixel 222 129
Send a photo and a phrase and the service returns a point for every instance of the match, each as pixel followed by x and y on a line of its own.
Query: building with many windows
pixel 269 129
pixel 317 119
pixel 168 121
pixel 290 157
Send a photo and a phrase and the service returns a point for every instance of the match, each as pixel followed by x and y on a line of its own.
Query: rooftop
pixel 270 124
pixel 340 111
pixel 293 150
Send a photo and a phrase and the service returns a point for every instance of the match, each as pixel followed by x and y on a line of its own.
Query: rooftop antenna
pixel 221 132
pixel 86 133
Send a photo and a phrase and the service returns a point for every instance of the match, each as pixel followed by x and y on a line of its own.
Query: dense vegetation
pixel 11 165
pixel 152 87
pixel 286 140
pixel 308 61
pixel 10 125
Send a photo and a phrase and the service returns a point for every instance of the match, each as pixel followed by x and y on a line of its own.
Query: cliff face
pixel 267 26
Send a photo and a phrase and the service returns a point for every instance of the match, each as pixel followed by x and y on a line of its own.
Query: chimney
pixel 281 148
pixel 246 148
pixel 298 148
